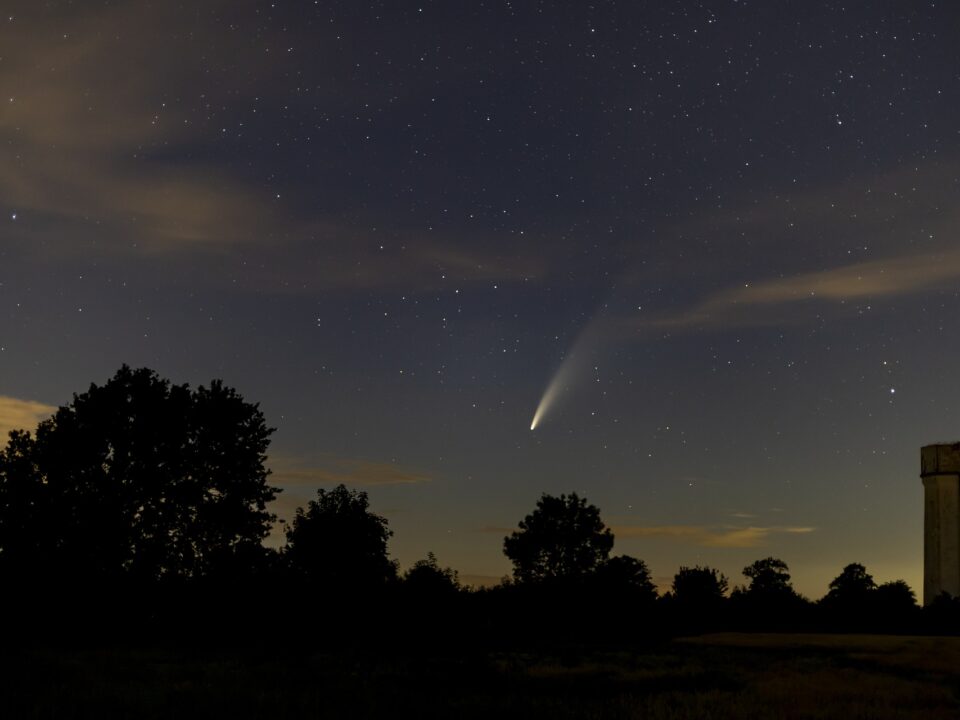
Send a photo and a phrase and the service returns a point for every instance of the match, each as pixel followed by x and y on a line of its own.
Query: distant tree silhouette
pixel 895 598
pixel 699 584
pixel 851 588
pixel 769 601
pixel 426 577
pixel 137 479
pixel 769 577
pixel 895 607
pixel 628 578
pixel 562 539
pixel 338 543
pixel 850 601
pixel 698 592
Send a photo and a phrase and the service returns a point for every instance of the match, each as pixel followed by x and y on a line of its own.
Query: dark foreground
pixel 716 676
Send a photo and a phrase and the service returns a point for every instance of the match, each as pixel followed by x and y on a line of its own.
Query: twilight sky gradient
pixel 729 229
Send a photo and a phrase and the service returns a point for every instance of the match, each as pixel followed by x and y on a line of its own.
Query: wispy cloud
pixel 706 536
pixel 95 153
pixel 16 414
pixel 351 472
pixel 89 148
pixel 750 303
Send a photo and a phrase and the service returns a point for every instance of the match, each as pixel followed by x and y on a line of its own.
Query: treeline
pixel 138 512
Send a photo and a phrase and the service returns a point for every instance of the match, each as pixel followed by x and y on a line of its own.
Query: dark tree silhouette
pixel 697 600
pixel 895 598
pixel 627 577
pixel 851 588
pixel 339 543
pixel 769 578
pixel 426 577
pixel 849 602
pixel 562 539
pixel 22 511
pixel 769 601
pixel 137 479
pixel 699 587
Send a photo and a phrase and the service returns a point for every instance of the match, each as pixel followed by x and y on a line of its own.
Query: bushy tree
pixel 627 577
pixel 769 578
pixel 562 539
pixel 697 600
pixel 426 577
pixel 137 479
pixel 699 586
pixel 769 601
pixel 895 598
pixel 339 543
pixel 851 588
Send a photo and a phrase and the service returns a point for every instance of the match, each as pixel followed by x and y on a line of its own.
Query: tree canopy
pixel 562 539
pixel 629 577
pixel 137 478
pixel 699 586
pixel 339 542
pixel 769 578
pixel 851 587
pixel 427 577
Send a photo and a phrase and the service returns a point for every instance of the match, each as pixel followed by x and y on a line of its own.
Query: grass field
pixel 716 676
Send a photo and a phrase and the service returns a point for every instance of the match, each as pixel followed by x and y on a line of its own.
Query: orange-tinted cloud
pixel 705 536
pixel 751 303
pixel 16 414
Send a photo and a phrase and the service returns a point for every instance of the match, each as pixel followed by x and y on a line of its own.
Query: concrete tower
pixel 940 470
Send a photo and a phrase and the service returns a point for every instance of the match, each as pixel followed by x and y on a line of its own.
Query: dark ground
pixel 715 676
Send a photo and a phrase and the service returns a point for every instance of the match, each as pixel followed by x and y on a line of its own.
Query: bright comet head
pixel 545 402
pixel 568 371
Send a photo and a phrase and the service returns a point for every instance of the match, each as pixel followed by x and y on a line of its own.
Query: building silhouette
pixel 940 471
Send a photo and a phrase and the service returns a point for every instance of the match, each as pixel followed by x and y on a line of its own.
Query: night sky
pixel 720 236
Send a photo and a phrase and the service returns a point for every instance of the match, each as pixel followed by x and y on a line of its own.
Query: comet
pixel 555 389
pixel 549 395
pixel 569 370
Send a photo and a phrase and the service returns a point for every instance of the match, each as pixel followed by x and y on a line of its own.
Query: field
pixel 716 676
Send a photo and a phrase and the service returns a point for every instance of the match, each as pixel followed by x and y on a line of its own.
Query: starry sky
pixel 719 237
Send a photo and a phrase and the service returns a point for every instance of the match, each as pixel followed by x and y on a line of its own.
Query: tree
pixel 849 603
pixel 699 586
pixel 22 494
pixel 769 602
pixel 769 578
pixel 137 479
pixel 851 588
pixel 339 543
pixel 426 577
pixel 895 598
pixel 697 600
pixel 628 577
pixel 562 539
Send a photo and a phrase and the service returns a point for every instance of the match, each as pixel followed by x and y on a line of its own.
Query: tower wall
pixel 940 470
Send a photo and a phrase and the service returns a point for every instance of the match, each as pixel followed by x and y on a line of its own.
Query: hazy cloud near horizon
pixel 706 536
pixel 17 414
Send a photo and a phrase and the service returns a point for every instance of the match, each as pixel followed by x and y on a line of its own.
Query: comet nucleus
pixel 566 374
